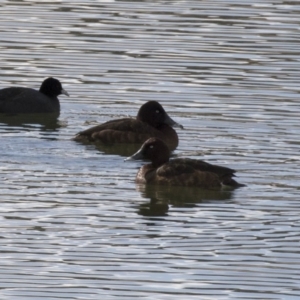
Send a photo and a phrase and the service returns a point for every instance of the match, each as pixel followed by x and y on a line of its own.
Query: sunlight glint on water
pixel 74 225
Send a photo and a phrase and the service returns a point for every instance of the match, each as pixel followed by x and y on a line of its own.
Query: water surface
pixel 74 225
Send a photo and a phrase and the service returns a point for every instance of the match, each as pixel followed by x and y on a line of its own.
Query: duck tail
pixel 228 181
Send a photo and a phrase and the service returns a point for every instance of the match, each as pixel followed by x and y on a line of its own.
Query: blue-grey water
pixel 73 223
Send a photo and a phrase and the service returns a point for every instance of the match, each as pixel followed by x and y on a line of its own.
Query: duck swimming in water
pixel 151 121
pixel 180 171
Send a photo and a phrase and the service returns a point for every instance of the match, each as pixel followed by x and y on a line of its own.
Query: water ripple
pixel 74 225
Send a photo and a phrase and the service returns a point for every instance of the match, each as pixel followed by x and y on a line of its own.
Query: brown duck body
pixel 151 121
pixel 180 171
pixel 129 130
pixel 187 172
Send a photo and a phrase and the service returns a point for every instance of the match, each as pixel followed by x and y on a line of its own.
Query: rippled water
pixel 74 225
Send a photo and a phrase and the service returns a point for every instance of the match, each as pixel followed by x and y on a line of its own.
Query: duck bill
pixel 136 156
pixel 64 92
pixel 169 121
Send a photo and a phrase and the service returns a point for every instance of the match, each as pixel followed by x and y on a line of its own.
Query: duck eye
pixel 151 146
pixel 157 111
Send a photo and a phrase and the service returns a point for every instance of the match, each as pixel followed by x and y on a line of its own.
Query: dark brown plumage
pixel 151 121
pixel 180 171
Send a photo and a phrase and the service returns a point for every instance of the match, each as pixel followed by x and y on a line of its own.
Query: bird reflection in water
pixel 116 149
pixel 161 197
pixel 46 122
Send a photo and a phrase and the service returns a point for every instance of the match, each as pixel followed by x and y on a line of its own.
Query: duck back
pixel 180 171
pixel 128 130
